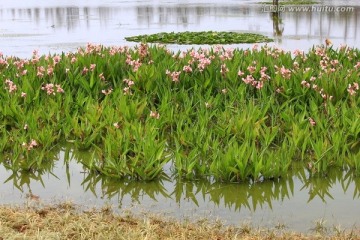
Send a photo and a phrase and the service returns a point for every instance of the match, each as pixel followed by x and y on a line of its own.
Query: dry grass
pixel 64 221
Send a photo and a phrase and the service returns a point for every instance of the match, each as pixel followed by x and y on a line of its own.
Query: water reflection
pixel 62 27
pixel 278 27
pixel 63 177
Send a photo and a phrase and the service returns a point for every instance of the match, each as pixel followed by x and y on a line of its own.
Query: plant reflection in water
pixel 236 196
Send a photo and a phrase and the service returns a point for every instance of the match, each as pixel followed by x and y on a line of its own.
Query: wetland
pixel 161 128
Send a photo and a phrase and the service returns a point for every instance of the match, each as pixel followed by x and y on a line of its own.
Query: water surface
pixel 54 27
pixel 297 201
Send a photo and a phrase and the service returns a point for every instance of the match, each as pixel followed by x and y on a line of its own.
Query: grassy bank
pixel 64 221
pixel 225 114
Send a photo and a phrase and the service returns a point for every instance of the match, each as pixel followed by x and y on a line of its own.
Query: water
pixel 50 26
pixel 297 201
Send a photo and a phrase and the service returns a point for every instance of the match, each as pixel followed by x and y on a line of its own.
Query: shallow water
pixel 54 27
pixel 296 201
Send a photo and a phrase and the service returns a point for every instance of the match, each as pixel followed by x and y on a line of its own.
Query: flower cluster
pixel 155 115
pixel 10 86
pixel 106 91
pixel 250 79
pixel 30 145
pixel 285 73
pixel 135 64
pixel 50 88
pixel 174 75
pixel 127 89
pixel 353 88
pixel 202 58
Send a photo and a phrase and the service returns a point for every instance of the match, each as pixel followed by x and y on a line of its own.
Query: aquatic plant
pixel 220 113
pixel 205 37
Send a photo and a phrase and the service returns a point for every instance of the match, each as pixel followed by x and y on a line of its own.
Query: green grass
pixel 225 114
pixel 209 37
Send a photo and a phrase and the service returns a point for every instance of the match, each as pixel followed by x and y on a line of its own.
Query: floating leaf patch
pixel 205 37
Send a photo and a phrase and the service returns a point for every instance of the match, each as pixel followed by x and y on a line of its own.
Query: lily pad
pixel 204 37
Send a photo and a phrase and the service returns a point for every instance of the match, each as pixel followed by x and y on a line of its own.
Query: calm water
pixel 297 201
pixel 50 26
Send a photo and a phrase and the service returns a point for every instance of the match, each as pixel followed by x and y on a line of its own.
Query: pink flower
pixel 23 94
pixel 264 77
pixel 92 67
pixel 187 69
pixel 101 76
pixel 259 84
pixel 285 73
pixel 240 73
pixel 135 64
pixel 312 121
pixel 307 69
pixel 334 62
pixel 11 86
pixel 40 71
pixel 251 69
pixel 59 89
pixel 31 145
pixel 296 65
pixel 224 69
pixel 249 79
pixel 127 91
pixel 3 62
pixel 85 71
pixel 203 63
pixel 49 88
pixel 116 125
pixel 298 52
pixel 174 75
pixel 353 88
pixel 56 59
pixel 155 115
pixel 107 92
pixel 357 66
pixel 50 71
pixel 129 82
pixel 305 84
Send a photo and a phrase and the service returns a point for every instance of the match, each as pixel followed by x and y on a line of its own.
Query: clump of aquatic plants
pixel 205 37
pixel 220 113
